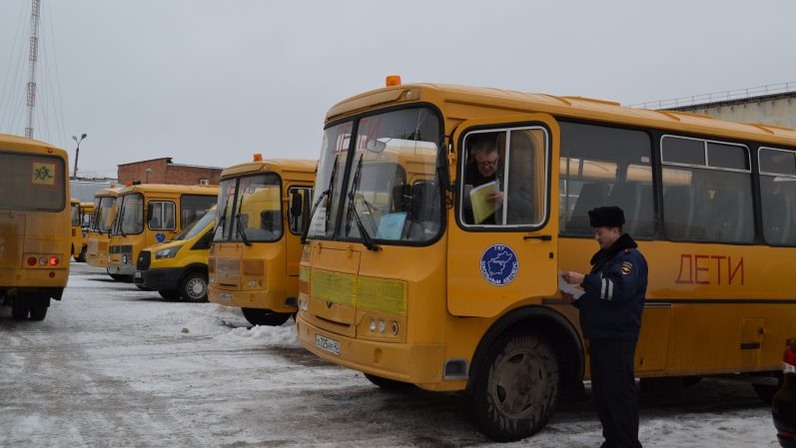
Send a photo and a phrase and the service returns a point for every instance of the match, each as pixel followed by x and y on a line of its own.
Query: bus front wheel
pixel 194 287
pixel 388 384
pixel 515 386
pixel 257 316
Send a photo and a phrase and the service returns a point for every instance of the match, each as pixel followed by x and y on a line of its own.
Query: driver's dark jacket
pixel 615 291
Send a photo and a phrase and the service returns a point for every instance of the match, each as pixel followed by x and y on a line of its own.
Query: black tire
pixel 514 386
pixel 122 278
pixel 38 312
pixel 19 309
pixel 169 294
pixel 194 287
pixel 82 257
pixel 766 392
pixel 388 384
pixel 257 316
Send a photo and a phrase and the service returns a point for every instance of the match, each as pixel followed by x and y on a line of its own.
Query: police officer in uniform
pixel 610 317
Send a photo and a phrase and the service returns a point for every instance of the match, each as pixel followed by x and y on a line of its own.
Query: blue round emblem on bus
pixel 499 264
pixel 160 237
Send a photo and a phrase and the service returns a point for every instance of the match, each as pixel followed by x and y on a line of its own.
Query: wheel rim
pixel 196 288
pixel 516 383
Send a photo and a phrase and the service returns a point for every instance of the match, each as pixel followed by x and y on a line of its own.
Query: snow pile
pixel 284 336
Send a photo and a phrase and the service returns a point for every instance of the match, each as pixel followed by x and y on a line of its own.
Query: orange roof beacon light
pixel 258 157
pixel 393 80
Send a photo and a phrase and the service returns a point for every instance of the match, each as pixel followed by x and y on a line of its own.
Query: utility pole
pixel 33 57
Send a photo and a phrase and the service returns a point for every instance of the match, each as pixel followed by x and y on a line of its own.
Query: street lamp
pixel 77 152
pixel 148 172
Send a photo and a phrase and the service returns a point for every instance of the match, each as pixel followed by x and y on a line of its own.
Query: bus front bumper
pixel 159 279
pixel 411 363
pixel 276 301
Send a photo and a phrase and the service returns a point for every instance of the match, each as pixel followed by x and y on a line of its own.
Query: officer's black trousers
pixel 614 391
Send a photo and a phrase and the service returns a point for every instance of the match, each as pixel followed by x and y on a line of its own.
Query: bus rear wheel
pixel 19 309
pixel 194 287
pixel 257 316
pixel 38 312
pixel 515 386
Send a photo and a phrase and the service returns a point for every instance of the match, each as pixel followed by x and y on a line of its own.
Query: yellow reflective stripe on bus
pixel 335 288
pixel 376 294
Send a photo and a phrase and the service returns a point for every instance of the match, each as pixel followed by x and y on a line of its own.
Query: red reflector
pixel 32 261
pixel 54 261
pixel 52 274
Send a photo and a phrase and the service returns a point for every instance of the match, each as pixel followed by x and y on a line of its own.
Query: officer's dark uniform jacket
pixel 614 299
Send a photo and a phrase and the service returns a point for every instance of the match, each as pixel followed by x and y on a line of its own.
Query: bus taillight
pixel 32 261
pixel 54 261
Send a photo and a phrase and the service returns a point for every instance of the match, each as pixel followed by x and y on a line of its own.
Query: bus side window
pixel 591 195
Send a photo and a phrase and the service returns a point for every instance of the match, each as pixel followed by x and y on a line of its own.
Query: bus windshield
pixel 32 182
pixel 131 214
pixel 250 209
pixel 104 214
pixel 197 226
pixel 392 192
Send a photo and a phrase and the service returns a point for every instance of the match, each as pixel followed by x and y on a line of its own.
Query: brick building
pixel 164 171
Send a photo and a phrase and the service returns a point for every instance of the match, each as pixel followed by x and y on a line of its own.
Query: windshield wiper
pixel 242 231
pixel 324 193
pixel 327 192
pixel 352 211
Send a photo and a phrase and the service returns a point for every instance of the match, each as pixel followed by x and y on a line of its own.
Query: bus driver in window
pixel 482 169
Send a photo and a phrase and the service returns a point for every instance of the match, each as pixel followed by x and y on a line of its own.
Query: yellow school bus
pixel 81 221
pixel 99 233
pixel 152 213
pixel 35 235
pixel 407 289
pixel 254 260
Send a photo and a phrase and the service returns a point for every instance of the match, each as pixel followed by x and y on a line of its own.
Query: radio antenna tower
pixel 33 57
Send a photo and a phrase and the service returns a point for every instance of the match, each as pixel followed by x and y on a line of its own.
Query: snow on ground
pixel 115 366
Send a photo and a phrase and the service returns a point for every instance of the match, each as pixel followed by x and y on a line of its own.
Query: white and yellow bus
pixel 254 262
pixel 98 237
pixel 35 231
pixel 396 282
pixel 152 213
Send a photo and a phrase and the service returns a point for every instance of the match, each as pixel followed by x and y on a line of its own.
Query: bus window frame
pixel 506 129
pixel 707 164
pixel 760 175
pixel 231 231
pixel 162 213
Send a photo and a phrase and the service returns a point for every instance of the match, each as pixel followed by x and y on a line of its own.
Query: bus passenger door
pixel 503 232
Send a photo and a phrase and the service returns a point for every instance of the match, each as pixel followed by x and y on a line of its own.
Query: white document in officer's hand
pixel 575 290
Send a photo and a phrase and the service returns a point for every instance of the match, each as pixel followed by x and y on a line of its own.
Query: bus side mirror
pixel 296 203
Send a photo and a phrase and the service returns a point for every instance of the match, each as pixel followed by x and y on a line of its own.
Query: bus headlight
pixel 382 326
pixel 372 325
pixel 167 253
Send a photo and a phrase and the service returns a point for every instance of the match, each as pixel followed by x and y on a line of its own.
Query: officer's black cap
pixel 606 217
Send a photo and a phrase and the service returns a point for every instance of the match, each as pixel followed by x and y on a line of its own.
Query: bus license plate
pixel 225 296
pixel 326 344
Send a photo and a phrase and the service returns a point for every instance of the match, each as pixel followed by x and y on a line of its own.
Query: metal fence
pixel 730 95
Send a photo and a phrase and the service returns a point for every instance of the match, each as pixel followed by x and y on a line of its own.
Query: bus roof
pixel 12 142
pixel 287 168
pixel 108 192
pixel 561 106
pixel 207 190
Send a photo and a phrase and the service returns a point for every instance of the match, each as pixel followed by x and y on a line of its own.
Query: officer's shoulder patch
pixel 626 267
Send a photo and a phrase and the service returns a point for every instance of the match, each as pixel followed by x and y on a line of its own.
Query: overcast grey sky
pixel 211 82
